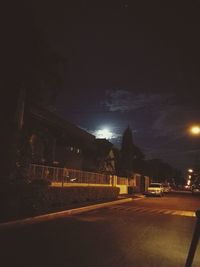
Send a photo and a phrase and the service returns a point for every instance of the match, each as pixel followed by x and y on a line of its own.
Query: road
pixel 148 232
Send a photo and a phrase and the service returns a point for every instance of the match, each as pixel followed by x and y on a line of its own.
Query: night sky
pixel 133 63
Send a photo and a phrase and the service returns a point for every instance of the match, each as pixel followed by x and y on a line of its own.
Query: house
pixel 104 156
pixel 53 141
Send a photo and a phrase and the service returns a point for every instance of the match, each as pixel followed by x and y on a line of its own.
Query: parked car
pixel 155 189
pixel 195 188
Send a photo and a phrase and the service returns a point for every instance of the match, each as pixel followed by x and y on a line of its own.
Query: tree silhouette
pixel 130 155
pixel 161 171
pixel 31 75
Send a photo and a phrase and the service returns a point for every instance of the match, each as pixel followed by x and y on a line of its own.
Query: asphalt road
pixel 148 232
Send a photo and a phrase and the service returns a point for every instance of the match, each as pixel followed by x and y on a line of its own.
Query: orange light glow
pixel 195 130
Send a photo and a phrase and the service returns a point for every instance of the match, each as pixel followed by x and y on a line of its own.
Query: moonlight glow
pixel 104 133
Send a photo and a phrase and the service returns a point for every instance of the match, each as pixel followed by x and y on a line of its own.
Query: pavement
pixel 60 214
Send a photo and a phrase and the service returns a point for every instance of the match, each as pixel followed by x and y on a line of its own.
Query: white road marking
pixel 154 211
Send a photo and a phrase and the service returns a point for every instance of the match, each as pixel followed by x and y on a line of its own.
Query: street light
pixel 190 170
pixel 195 130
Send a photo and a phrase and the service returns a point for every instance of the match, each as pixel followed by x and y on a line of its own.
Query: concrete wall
pixel 123 188
pixel 60 184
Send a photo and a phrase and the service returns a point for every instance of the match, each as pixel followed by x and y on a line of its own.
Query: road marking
pixel 167 212
pixel 61 214
pixel 138 199
pixel 185 213
pixel 154 211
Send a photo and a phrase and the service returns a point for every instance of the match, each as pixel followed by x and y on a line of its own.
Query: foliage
pixel 131 159
pixel 41 182
pixel 31 66
pixel 126 153
pixel 161 171
pixel 24 200
pixel 130 155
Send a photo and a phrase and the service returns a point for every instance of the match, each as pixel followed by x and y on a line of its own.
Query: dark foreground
pixel 149 232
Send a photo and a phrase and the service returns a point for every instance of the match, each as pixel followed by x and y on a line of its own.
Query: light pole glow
pixel 195 130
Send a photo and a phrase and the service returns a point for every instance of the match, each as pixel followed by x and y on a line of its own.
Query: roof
pixel 54 120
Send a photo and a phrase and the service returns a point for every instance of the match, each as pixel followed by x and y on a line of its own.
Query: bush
pixel 41 182
pixel 10 200
pixel 25 200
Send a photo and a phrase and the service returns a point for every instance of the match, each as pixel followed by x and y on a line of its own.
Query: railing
pixel 64 175
pixel 70 177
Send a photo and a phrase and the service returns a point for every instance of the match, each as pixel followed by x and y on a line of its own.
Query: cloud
pixel 160 123
pixel 125 101
pixel 110 133
pixel 172 120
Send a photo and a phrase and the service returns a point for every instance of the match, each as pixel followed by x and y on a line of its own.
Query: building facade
pixel 50 140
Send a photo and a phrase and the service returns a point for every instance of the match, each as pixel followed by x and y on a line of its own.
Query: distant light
pixel 104 133
pixel 190 170
pixel 188 182
pixel 195 130
pixel 189 176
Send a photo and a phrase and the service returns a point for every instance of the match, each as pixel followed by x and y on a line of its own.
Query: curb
pixel 60 214
pixel 140 196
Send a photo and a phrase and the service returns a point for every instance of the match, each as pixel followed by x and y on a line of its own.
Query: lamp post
pixel 194 130
pixel 194 242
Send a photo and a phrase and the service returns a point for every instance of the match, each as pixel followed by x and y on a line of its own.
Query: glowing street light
pixel 195 130
pixel 190 170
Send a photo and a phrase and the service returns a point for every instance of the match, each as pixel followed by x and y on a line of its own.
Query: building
pixel 48 139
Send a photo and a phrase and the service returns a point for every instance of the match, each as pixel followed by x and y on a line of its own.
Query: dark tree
pixel 31 68
pixel 126 153
pixel 130 155
pixel 139 162
pixel 161 171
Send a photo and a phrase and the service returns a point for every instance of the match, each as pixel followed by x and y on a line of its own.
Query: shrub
pixel 35 198
pixel 41 182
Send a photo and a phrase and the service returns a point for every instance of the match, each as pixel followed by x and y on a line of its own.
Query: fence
pixel 69 176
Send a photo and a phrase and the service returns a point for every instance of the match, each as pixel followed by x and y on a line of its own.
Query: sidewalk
pixel 75 209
